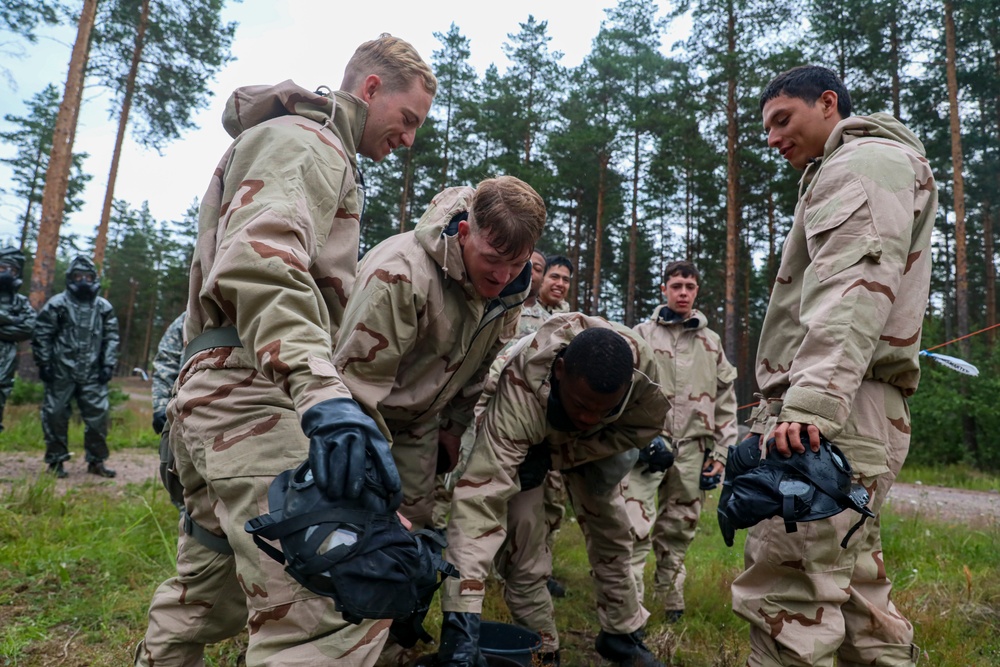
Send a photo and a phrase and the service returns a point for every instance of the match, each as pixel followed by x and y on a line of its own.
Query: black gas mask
pixel 803 487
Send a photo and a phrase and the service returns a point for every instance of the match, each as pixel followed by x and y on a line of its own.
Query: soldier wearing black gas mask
pixel 17 319
pixel 75 345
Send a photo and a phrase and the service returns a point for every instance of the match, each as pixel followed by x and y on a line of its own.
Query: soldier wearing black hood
pixel 17 319
pixel 75 345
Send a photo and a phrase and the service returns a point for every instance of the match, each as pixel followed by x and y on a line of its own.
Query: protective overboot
pixel 556 589
pixel 549 659
pixel 58 470
pixel 98 468
pixel 626 650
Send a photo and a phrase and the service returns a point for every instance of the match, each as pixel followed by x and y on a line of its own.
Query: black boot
pixel 549 659
pixel 556 589
pixel 98 468
pixel 626 650
pixel 58 470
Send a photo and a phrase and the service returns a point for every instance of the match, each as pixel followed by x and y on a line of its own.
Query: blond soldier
pixel 274 264
pixel 532 317
pixel 432 309
pixel 579 395
pixel 698 380
pixel 838 358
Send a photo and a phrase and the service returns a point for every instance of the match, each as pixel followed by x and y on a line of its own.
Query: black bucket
pixel 504 640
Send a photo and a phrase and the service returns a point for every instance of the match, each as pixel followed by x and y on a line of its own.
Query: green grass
pixel 77 571
pixel 954 476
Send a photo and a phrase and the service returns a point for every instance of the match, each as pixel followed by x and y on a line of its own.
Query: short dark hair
pixel 602 357
pixel 558 260
pixel 808 82
pixel 682 268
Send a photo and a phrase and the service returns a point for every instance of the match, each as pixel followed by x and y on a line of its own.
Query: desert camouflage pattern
pixel 167 363
pixel 664 507
pixel 276 258
pixel 75 338
pixel 417 341
pixel 839 350
pixel 511 418
pixel 17 321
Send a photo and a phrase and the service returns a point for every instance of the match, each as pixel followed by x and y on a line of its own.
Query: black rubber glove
pixel 347 451
pixel 45 374
pixel 656 456
pixel 460 640
pixel 105 374
pixel 159 421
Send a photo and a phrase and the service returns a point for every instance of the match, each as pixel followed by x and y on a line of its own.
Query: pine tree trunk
pixel 731 341
pixel 894 59
pixel 958 181
pixel 991 273
pixel 101 242
pixel 404 196
pixel 574 253
pixel 598 233
pixel 633 237
pixel 61 161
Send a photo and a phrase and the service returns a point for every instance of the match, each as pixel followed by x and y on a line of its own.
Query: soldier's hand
pixel 347 451
pixel 45 374
pixel 105 374
pixel 787 438
pixel 159 421
pixel 656 456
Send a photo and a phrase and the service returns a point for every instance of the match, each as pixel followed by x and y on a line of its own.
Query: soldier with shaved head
pixel 258 392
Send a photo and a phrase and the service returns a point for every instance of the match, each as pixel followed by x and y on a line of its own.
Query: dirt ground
pixel 979 509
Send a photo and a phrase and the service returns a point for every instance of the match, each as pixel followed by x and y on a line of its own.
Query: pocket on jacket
pixel 841 232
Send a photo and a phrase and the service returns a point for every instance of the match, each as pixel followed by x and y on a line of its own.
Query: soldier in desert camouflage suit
pixel 698 380
pixel 838 358
pixel 539 412
pixel 432 309
pixel 532 317
pixel 274 265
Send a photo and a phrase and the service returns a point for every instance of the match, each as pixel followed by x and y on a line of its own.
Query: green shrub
pixel 26 391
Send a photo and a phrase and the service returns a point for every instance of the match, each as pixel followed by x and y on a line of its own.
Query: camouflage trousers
pixel 415 452
pixel 525 564
pixel 444 485
pixel 664 509
pixel 229 445
pixel 555 505
pixel 810 602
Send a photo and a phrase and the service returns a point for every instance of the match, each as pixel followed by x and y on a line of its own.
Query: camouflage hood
pixel 880 125
pixel 695 319
pixel 250 106
pixel 437 231
pixel 81 263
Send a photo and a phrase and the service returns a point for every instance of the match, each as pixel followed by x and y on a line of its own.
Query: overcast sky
pixel 308 41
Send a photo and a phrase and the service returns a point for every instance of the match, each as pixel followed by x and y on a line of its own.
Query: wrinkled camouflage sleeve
pixel 509 424
pixel 110 340
pixel 458 413
pixel 167 363
pixel 858 235
pixel 725 409
pixel 17 320
pixel 44 335
pixel 380 327
pixel 286 183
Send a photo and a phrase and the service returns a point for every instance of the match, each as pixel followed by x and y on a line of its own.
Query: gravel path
pixel 980 509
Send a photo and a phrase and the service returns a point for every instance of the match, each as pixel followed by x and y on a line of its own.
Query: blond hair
pixel 394 60
pixel 508 212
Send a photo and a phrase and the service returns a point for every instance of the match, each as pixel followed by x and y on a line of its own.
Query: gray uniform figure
pixel 75 345
pixel 17 320
pixel 166 367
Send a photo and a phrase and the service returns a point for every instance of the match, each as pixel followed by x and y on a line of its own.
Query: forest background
pixel 644 153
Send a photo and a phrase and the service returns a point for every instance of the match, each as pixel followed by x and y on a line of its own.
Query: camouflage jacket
pixel 696 377
pixel 167 363
pixel 417 340
pixel 850 293
pixel 511 418
pixel 278 237
pixel 76 338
